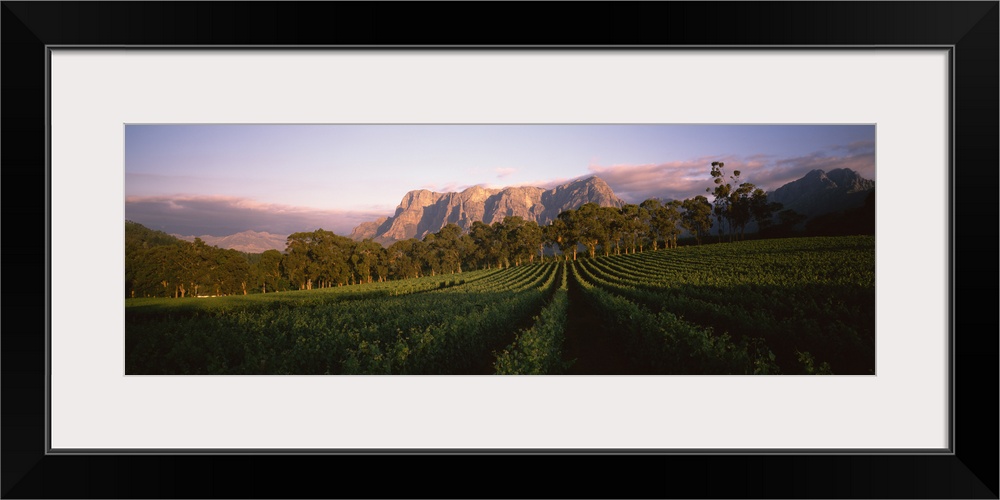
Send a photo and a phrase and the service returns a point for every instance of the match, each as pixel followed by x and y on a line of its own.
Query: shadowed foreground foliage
pixel 791 306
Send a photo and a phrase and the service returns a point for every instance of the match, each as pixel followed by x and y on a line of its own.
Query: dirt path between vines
pixel 589 341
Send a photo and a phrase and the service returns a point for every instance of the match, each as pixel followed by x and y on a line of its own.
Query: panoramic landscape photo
pixel 499 249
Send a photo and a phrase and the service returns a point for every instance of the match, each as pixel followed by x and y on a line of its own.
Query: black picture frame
pixel 970 28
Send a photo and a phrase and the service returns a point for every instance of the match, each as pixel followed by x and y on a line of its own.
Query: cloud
pixel 548 183
pixel 856 148
pixel 225 215
pixel 451 187
pixel 786 170
pixel 505 172
pixel 688 178
pixel 669 180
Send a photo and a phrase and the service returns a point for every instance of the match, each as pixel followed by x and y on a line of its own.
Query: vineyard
pixel 780 306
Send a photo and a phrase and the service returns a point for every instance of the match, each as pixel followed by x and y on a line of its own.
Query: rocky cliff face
pixel 820 192
pixel 422 212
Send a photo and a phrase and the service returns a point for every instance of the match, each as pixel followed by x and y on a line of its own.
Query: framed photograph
pixel 121 97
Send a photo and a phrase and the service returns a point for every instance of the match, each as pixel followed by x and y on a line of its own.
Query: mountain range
pixel 819 192
pixel 421 211
pixel 247 241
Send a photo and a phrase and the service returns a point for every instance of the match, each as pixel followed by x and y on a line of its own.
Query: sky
pixel 223 179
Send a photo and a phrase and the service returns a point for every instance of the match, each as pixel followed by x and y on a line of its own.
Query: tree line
pixel 158 265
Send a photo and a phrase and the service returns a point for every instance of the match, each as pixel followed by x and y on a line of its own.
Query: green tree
pixel 722 204
pixel 485 242
pixel 649 208
pixel 763 211
pixel 144 269
pixel 156 271
pixel 633 227
pixel 231 272
pixel 567 228
pixel 445 246
pixel 297 259
pixel 526 242
pixel 382 264
pixel 365 259
pixel 335 259
pixel 667 221
pixel 590 227
pixel 697 217
pixel 467 251
pixel 552 234
pixel 319 259
pixel 321 255
pixel 404 259
pixel 429 258
pixel 788 220
pixel 268 270
pixel 424 256
pixel 740 208
pixel 505 243
pixel 196 266
pixel 614 228
pixel 733 206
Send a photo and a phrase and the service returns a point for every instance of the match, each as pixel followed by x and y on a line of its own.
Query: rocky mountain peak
pixel 849 180
pixel 419 198
pixel 820 192
pixel 421 211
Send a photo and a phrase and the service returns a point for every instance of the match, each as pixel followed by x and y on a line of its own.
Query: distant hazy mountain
pixel 367 229
pixel 422 211
pixel 247 241
pixel 820 192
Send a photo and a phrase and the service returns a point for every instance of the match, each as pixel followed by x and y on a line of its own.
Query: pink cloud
pixel 505 171
pixel 669 180
pixel 549 183
pixel 688 178
pixel 225 215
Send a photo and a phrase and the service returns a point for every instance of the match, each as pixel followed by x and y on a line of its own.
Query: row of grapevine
pixel 452 329
pixel 662 343
pixel 152 308
pixel 462 342
pixel 807 298
pixel 539 350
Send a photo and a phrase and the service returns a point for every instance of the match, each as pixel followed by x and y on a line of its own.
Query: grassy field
pixel 784 306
